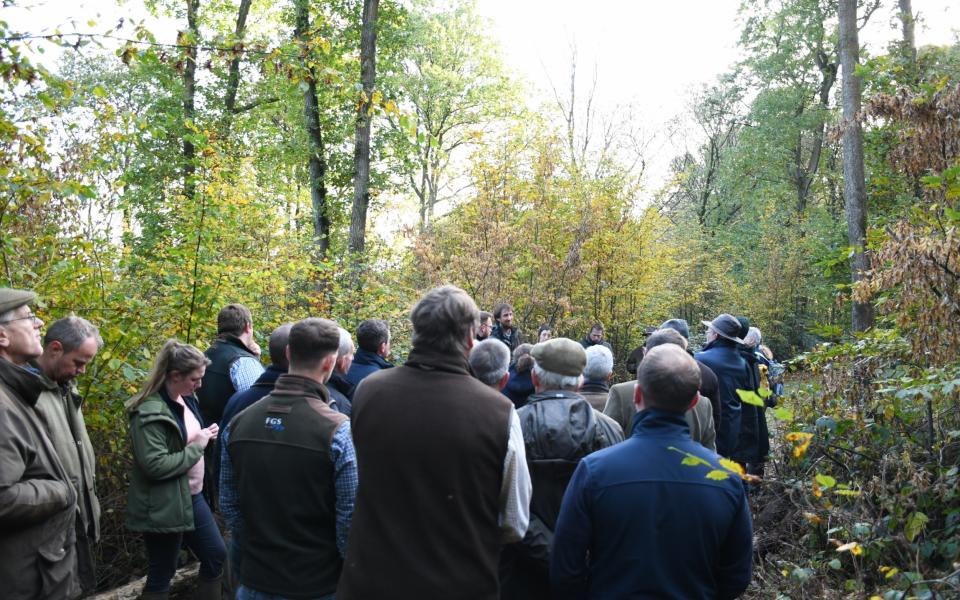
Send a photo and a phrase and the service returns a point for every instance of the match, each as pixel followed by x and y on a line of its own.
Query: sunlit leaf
pixel 750 397
pixel 852 547
pixel 825 481
pixel 732 465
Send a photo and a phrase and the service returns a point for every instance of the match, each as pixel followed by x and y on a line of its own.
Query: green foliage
pixel 101 218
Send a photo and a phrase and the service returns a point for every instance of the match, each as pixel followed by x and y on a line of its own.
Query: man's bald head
pixel 668 378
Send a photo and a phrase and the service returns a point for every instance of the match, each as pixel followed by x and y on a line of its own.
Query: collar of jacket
pixel 595 386
pixel 26 384
pixel 428 359
pixel 177 411
pixel 340 383
pixel 365 357
pixel 654 421
pixel 554 395
pixel 269 376
pixel 68 391
pixel 289 384
pixel 233 341
pixel 722 343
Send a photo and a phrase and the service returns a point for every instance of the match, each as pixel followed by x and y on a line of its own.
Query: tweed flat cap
pixel 560 355
pixel 11 298
pixel 726 326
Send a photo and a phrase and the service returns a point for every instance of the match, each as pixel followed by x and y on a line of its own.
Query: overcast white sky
pixel 650 53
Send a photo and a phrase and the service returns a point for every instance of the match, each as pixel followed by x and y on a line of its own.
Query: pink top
pixel 195 474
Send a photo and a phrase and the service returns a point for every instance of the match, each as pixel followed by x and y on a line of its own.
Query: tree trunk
pixel 806 176
pixel 233 75
pixel 854 189
pixel 318 162
pixel 189 94
pixel 909 41
pixel 361 153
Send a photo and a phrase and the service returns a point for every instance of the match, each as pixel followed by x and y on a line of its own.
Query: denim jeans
pixel 204 541
pixel 245 593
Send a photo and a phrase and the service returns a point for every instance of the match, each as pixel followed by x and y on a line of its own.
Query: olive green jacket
pixel 699 418
pixel 158 500
pixel 59 407
pixel 38 506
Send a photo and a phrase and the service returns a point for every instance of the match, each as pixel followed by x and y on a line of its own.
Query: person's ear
pixel 638 397
pixel 503 381
pixel 693 402
pixel 54 348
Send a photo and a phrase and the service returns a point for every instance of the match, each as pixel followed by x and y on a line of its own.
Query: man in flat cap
pixel 559 428
pixel 722 355
pixel 38 503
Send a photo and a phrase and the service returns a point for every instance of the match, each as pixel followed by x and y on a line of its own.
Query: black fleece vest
pixel 217 387
pixel 280 450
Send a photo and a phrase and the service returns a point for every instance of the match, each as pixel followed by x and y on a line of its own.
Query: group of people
pixel 480 468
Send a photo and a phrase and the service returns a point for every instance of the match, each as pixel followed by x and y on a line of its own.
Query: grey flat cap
pixel 11 298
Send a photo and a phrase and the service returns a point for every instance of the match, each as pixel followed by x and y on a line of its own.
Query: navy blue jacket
pixel 241 400
pixel 519 387
pixel 341 393
pixel 638 523
pixel 723 357
pixel 365 363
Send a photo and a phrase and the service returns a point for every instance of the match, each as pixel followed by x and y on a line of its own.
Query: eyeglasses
pixel 33 318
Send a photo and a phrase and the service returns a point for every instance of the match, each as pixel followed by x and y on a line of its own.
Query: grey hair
pixel 555 381
pixel 6 316
pixel 72 332
pixel 346 343
pixel 490 360
pixel 599 363
pixel 752 339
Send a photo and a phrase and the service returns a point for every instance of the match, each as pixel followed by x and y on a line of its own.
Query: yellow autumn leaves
pixel 801 442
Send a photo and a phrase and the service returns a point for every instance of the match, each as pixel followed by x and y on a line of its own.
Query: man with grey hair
pixel 341 390
pixel 38 502
pixel 68 347
pixel 445 479
pixel 643 519
pixel 597 375
pixel 490 361
pixel 699 418
pixel 559 428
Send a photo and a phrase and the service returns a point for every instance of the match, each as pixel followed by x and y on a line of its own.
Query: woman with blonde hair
pixel 165 500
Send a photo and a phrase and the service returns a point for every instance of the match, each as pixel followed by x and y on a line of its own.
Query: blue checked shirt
pixel 244 372
pixel 345 484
